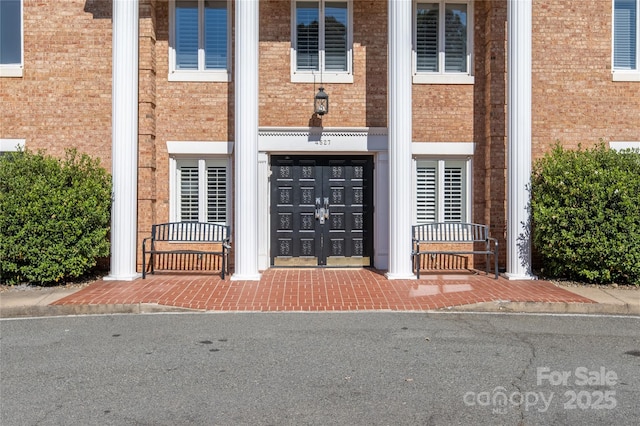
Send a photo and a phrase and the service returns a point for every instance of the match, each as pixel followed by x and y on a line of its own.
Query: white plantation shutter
pixel 455 38
pixel 427 195
pixel 441 191
pixel 217 194
pixel 427 37
pixel 189 193
pixel 215 34
pixel 625 36
pixel 307 35
pixel 186 34
pixel 442 37
pixel 201 191
pixel 335 36
pixel 453 194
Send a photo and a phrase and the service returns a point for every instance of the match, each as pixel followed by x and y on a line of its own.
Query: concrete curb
pixel 548 307
pixel 66 310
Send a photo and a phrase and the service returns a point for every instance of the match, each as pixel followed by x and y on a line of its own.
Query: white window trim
pixel 626 75
pixel 318 77
pixel 16 70
pixel 12 145
pixel 620 145
pixel 441 77
pixel 202 151
pixel 197 75
pixel 441 162
pixel 203 162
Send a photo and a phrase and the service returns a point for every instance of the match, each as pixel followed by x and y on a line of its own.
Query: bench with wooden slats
pixel 188 233
pixel 427 237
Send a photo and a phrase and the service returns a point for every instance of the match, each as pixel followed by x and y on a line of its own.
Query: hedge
pixel 586 214
pixel 55 216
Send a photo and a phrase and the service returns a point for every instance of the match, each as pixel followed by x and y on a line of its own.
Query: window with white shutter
pixel 442 191
pixel 443 42
pixel 625 35
pixel 217 194
pixel 199 40
pixel 202 190
pixel 321 41
pixel 427 193
pixel 188 181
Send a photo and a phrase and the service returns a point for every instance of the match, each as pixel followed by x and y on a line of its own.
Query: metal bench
pixel 426 235
pixel 186 232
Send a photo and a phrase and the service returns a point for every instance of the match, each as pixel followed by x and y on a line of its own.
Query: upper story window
pixel 626 40
pixel 321 42
pixel 199 40
pixel 10 38
pixel 443 42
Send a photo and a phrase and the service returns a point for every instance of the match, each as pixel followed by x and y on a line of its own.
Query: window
pixel 10 38
pixel 442 42
pixel 321 42
pixel 11 145
pixel 201 191
pixel 442 191
pixel 199 41
pixel 626 40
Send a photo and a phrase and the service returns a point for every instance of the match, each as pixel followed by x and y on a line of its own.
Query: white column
pixel 519 139
pixel 246 140
pixel 124 144
pixel 400 134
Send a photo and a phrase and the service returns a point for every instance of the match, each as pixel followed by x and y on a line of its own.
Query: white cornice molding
pixel 322 139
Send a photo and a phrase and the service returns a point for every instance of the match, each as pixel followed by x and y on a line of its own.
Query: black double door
pixel 321 211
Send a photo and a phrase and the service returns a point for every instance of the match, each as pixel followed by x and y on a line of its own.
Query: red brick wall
pixel 63 99
pixel 363 103
pixel 574 98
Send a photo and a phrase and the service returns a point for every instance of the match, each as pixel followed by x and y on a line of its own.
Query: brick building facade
pixel 437 110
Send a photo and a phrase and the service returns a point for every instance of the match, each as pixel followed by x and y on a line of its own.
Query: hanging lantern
pixel 321 102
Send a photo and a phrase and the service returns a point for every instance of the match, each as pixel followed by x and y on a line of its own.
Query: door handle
pixel 322 211
pixel 326 207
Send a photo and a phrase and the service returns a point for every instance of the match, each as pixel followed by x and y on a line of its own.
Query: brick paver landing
pixel 319 290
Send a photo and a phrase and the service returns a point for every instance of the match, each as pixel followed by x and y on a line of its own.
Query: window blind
pixel 307 35
pixel 625 34
pixel 453 194
pixel 216 194
pixel 427 194
pixel 186 34
pixel 427 37
pixel 455 38
pixel 335 38
pixel 189 193
pixel 215 34
pixel 10 32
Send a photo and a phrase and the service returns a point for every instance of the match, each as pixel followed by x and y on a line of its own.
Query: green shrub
pixel 586 214
pixel 55 216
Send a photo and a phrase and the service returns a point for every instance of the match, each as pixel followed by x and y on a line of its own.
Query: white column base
pixel 122 277
pixel 391 276
pixel 522 277
pixel 246 277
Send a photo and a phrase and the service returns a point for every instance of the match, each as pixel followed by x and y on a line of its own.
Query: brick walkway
pixel 319 290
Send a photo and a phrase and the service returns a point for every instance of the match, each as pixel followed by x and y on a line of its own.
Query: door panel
pixel 322 211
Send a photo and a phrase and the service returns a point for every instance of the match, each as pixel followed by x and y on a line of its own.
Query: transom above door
pixel 321 211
